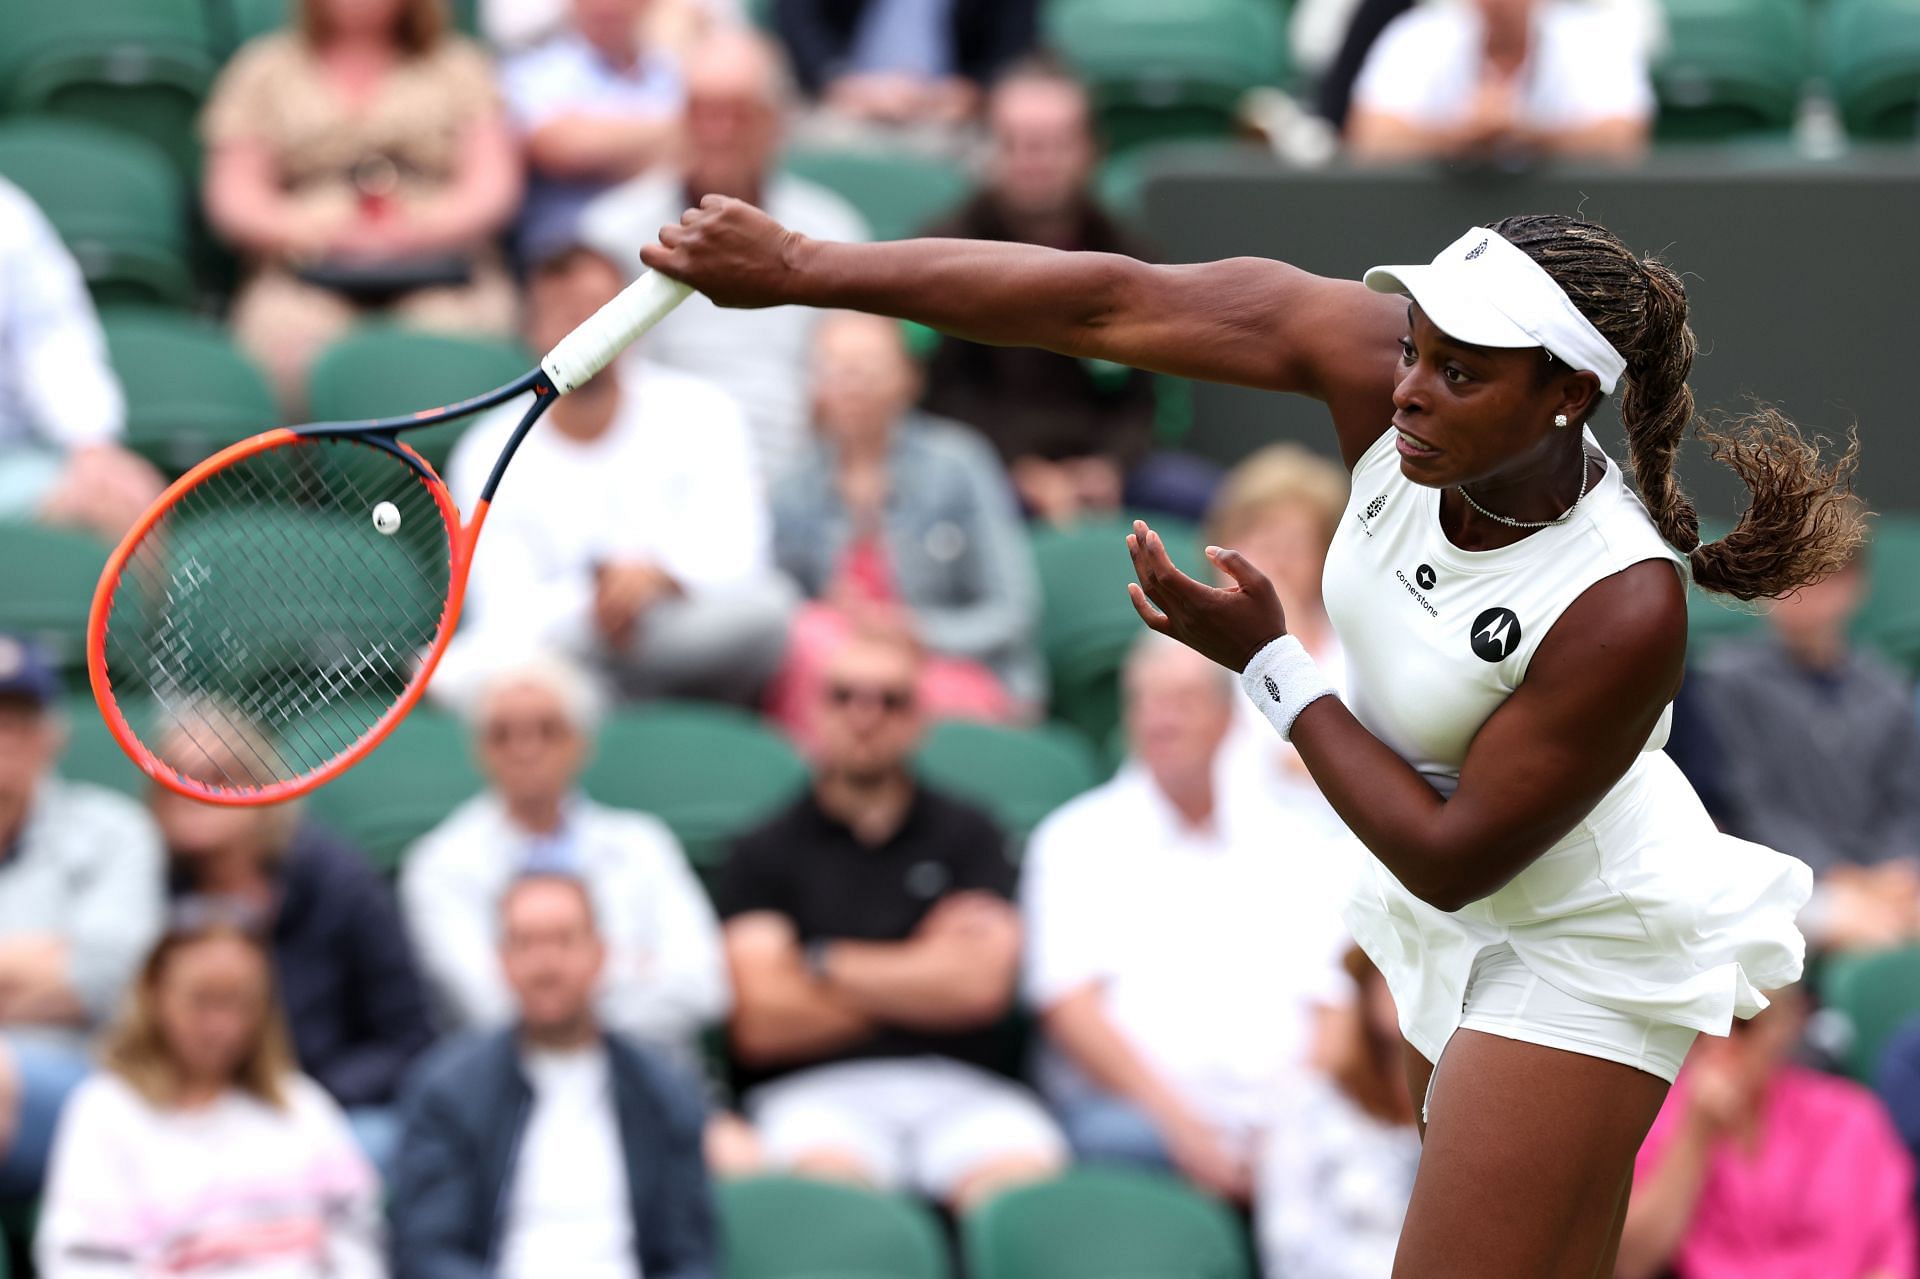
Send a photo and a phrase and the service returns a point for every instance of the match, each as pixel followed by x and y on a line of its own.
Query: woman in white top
pixel 1555 913
pixel 199 1149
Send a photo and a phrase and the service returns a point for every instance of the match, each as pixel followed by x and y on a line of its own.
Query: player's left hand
pixel 1227 624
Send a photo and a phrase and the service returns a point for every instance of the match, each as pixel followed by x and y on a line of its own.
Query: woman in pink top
pixel 1758 1168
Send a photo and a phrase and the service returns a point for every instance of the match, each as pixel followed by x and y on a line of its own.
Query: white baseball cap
pixel 1483 291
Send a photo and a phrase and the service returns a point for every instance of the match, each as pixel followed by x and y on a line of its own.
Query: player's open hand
pixel 728 250
pixel 1227 624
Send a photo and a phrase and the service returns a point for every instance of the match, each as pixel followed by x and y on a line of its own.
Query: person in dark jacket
pixel 354 1000
pixel 553 1148
pixel 902 61
pixel 1076 434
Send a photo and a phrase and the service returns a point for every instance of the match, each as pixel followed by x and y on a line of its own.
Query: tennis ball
pixel 386 518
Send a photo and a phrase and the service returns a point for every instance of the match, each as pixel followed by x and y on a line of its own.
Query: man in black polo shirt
pixel 875 950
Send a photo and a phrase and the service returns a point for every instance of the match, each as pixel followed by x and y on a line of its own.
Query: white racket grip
pixel 608 331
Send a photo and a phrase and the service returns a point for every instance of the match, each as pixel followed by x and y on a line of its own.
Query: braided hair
pixel 1802 521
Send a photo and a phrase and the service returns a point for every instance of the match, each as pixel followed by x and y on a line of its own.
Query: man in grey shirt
pixel 80 904
pixel 1820 753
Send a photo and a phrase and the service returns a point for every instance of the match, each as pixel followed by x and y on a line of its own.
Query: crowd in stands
pixel 228 1043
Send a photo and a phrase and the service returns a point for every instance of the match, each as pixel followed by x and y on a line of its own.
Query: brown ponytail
pixel 1802 521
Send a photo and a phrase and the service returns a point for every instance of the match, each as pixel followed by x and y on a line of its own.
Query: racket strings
pixel 267 622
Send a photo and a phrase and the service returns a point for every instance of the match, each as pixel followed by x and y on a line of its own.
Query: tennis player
pixel 1555 912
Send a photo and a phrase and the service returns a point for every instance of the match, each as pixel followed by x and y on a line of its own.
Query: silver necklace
pixel 1561 519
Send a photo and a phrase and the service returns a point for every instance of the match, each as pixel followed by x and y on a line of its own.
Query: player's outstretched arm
pixel 1246 321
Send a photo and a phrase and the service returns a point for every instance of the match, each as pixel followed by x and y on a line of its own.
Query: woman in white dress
pixel 1554 911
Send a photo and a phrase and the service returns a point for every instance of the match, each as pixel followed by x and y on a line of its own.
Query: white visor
pixel 1483 291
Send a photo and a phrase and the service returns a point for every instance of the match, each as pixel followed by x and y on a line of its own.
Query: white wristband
pixel 1283 680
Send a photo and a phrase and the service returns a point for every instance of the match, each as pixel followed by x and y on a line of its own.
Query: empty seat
pixel 709 772
pixel 92 754
pixel 383 371
pixel 1876 993
pixel 1732 68
pixel 1159 70
pixel 404 788
pixel 1890 620
pixel 141 66
pixel 1086 621
pixel 793 1228
pixel 1095 1223
pixel 50 576
pixel 190 391
pixel 114 199
pixel 1017 774
pixel 1873 63
pixel 898 192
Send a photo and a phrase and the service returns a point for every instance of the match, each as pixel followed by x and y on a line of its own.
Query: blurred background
pixel 802 865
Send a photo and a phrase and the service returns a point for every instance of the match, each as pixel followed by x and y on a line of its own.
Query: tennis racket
pixel 283 604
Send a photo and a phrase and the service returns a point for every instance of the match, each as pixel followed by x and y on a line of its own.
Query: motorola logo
pixel 1424 575
pixel 1495 634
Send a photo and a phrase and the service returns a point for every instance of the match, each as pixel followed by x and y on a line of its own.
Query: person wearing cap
pixel 1554 910
pixel 80 902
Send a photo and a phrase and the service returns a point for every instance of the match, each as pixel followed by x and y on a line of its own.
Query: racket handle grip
pixel 609 331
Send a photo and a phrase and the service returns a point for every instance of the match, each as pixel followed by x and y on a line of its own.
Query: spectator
pixel 1336 1172
pixel 739 94
pixel 1898 1082
pixel 902 62
pixel 1502 77
pixel 1180 945
pixel 633 535
pixel 874 953
pixel 1280 507
pixel 60 404
pixel 901 521
pixel 362 165
pixel 1076 434
pixel 597 105
pixel 1757 1168
pixel 554 1147
pixel 665 978
pixel 80 903
pixel 349 987
pixel 200 1147
pixel 1828 765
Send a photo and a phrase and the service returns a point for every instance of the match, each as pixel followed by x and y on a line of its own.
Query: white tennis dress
pixel 1644 924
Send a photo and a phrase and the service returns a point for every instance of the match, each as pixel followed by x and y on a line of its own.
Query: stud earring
pixel 1560 420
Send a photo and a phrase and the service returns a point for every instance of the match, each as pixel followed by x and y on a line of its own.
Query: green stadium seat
pixel 114 199
pixel 141 66
pixel 1877 993
pixel 710 773
pixel 1100 1223
pixel 404 788
pixel 791 1228
pixel 381 370
pixel 1732 68
pixel 1159 70
pixel 1873 63
pixel 92 755
pixel 1890 621
pixel 190 391
pixel 1019 775
pixel 898 191
pixel 50 575
pixel 1087 623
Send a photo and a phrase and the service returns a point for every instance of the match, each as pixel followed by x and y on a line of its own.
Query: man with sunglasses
pixel 875 948
pixel 534 726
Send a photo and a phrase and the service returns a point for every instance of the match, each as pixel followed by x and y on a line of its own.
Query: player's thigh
pixel 1526 1150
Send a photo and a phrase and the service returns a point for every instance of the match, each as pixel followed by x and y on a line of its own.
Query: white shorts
pixel 920 1123
pixel 1506 998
